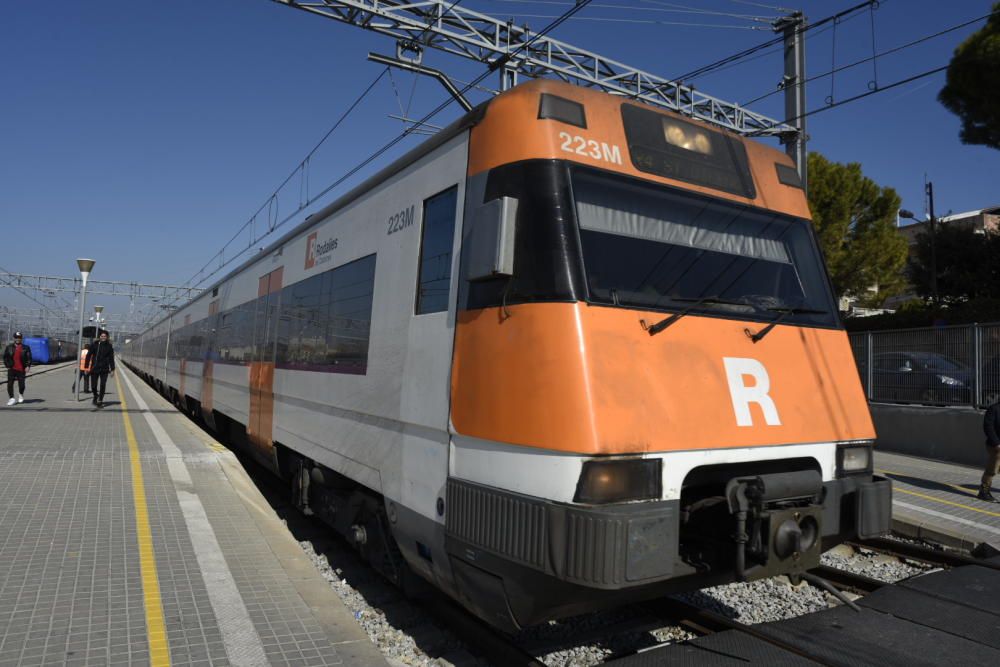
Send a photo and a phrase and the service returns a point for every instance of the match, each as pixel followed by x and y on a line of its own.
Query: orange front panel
pixel 511 132
pixel 588 379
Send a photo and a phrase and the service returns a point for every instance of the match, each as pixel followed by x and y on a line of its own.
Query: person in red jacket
pixel 17 359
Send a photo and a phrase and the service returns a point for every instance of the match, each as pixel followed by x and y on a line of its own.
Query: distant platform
pixel 128 536
pixel 937 500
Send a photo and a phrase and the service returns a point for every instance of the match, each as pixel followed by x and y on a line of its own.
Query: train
pixel 45 350
pixel 570 352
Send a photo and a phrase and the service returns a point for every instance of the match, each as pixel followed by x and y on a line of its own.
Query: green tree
pixel 971 87
pixel 968 264
pixel 855 220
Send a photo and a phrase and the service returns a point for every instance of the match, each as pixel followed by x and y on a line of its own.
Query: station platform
pixel 937 501
pixel 129 537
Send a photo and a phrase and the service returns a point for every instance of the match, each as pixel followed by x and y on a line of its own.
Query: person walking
pixel 991 426
pixel 85 368
pixel 102 361
pixel 17 359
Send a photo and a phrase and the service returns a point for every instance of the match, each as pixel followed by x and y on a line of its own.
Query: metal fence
pixel 956 365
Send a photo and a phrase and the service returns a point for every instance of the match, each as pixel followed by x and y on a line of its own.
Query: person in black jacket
pixel 991 425
pixel 17 359
pixel 102 362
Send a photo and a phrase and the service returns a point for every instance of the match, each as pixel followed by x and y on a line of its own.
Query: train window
pixel 656 247
pixel 437 238
pixel 325 320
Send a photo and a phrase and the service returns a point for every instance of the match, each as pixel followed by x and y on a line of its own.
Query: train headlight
pixel 619 480
pixel 854 459
pixel 687 136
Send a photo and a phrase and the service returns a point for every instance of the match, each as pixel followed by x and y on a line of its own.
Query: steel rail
pixel 922 553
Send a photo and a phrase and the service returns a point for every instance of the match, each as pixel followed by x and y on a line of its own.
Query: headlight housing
pixel 855 459
pixel 605 481
pixel 948 380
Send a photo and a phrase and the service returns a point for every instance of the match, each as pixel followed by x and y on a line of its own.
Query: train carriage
pixel 46 350
pixel 571 351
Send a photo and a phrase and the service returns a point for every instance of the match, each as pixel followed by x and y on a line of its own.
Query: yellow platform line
pixel 159 651
pixel 895 488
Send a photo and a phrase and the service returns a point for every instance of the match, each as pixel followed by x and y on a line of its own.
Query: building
pixel 983 220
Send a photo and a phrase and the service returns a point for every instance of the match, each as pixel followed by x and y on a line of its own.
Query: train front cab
pixel 651 389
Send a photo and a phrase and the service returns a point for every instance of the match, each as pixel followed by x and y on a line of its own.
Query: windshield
pixel 653 247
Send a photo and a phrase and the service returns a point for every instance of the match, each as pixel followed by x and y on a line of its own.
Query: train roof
pixel 467 121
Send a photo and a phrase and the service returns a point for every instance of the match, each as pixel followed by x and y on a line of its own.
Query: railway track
pixel 924 554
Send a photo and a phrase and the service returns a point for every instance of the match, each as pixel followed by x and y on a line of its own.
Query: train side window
pixel 437 239
pixel 325 321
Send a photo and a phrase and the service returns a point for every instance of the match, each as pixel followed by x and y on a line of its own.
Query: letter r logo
pixel 311 250
pixel 737 370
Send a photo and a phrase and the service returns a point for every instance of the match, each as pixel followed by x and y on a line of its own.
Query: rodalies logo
pixel 318 253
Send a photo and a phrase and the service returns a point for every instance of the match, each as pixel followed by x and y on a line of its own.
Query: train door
pixel 260 425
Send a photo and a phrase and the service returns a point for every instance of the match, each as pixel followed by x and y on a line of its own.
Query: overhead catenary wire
pixel 271 203
pixel 648 22
pixel 705 69
pixel 28 295
pixel 895 49
pixel 762 6
pixel 500 62
pixel 666 7
pixel 707 12
pixel 869 93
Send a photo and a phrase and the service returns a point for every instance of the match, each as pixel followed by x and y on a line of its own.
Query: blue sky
pixel 145 134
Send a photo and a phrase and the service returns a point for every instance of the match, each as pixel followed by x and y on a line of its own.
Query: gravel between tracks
pixel 406 637
pixel 873 564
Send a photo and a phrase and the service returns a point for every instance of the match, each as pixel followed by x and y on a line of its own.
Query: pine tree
pixel 855 221
pixel 973 80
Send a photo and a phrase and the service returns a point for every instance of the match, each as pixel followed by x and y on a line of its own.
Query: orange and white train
pixel 570 352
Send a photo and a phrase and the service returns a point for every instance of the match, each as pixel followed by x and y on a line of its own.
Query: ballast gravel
pixel 883 567
pixel 406 636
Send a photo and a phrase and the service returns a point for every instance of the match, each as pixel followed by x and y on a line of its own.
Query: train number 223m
pixel 599 150
pixel 400 221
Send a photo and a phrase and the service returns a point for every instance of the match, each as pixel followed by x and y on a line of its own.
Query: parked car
pixel 920 377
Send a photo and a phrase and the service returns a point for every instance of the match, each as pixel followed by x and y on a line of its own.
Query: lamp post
pixel 903 213
pixel 97 320
pixel 86 266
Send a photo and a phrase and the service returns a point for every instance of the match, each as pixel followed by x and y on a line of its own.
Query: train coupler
pixel 777 517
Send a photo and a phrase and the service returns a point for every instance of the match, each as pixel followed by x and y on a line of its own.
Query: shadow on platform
pixel 961 490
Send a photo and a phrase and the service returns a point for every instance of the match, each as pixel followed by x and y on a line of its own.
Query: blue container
pixel 39 350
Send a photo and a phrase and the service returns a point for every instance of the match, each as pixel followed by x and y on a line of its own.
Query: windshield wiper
pixel 667 321
pixel 785 312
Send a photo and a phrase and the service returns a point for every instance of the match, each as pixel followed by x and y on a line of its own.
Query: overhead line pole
pixel 794 85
